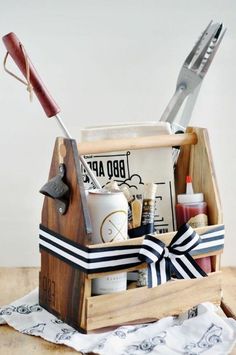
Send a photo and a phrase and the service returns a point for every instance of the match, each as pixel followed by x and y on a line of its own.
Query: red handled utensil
pixel 17 52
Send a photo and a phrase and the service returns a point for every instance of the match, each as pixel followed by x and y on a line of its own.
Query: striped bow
pixel 174 260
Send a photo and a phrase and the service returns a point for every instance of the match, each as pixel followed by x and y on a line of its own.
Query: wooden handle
pixel 14 48
pixel 116 145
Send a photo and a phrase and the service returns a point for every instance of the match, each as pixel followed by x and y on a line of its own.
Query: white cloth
pixel 199 331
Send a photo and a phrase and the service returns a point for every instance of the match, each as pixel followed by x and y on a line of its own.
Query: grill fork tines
pixel 194 69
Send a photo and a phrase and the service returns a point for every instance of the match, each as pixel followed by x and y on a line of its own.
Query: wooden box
pixel 65 289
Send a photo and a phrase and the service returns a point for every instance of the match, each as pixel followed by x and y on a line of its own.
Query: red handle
pixel 13 46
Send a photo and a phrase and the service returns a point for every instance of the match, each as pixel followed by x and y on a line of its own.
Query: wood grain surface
pixel 16 282
pixel 144 304
pixel 14 48
pixel 229 292
pixel 196 160
pixel 65 299
pixel 116 145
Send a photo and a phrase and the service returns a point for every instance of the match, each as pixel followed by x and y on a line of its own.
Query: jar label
pixel 110 284
pixel 148 211
pixel 114 227
pixel 199 220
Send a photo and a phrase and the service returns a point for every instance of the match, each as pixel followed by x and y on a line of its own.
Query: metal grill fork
pixel 193 71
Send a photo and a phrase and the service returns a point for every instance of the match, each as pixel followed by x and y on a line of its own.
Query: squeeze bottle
pixel 192 209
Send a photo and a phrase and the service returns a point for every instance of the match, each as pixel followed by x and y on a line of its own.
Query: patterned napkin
pixel 198 331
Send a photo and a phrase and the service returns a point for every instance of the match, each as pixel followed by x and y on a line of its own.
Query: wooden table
pixel 17 282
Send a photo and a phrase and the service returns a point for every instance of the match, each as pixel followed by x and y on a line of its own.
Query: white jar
pixel 108 212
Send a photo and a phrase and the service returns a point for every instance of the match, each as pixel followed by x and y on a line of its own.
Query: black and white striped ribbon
pixel 112 258
pixel 165 261
pixel 88 260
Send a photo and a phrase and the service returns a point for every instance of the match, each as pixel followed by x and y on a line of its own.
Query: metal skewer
pixel 83 161
pixel 19 55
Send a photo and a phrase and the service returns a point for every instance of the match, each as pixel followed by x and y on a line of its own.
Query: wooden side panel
pixel 203 173
pixel 182 167
pixel 74 224
pixel 196 160
pixel 62 288
pixel 216 262
pixel 149 304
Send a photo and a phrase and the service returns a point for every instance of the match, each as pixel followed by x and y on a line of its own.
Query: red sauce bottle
pixel 192 209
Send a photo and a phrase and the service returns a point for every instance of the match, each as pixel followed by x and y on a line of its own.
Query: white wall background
pixel 106 61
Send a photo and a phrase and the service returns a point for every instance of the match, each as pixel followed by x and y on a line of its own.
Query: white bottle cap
pixel 190 198
pixel 112 185
pixel 127 193
pixel 149 191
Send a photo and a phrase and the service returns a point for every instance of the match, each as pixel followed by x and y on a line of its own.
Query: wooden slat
pixel 203 174
pixel 87 293
pixel 229 292
pixel 164 237
pixel 213 254
pixel 161 301
pixel 116 145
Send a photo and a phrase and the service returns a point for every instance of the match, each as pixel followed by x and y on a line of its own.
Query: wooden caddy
pixel 66 291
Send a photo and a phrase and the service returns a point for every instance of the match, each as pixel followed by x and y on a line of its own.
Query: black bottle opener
pixel 57 189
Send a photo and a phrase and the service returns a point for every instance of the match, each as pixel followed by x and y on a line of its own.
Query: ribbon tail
pixel 186 268
pixel 159 273
pixel 152 275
